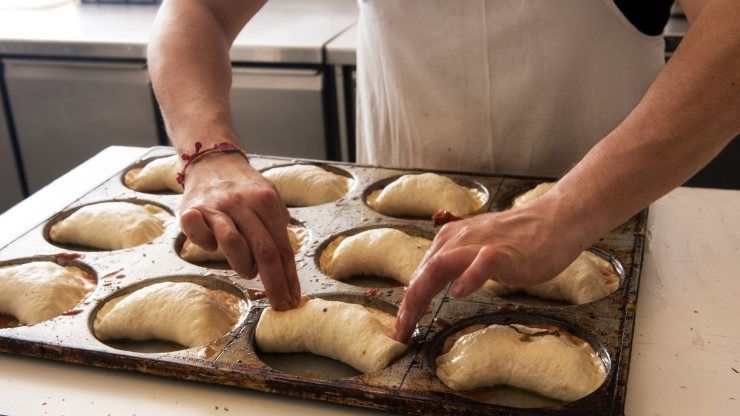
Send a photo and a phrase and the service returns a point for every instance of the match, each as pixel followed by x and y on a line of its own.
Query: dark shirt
pixel 648 16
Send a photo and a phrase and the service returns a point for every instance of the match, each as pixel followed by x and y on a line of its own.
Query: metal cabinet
pixel 10 182
pixel 67 111
pixel 278 111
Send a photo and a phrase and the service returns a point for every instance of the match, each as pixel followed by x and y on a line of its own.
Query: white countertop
pixel 343 49
pixel 686 344
pixel 285 31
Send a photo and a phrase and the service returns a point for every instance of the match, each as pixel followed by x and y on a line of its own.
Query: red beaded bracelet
pixel 200 152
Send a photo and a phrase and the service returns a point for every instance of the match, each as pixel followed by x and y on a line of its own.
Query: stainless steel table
pixel 284 31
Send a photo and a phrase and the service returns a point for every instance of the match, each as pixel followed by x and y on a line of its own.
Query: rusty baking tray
pixel 408 385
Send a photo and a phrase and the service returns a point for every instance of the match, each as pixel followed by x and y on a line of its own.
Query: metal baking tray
pixel 407 386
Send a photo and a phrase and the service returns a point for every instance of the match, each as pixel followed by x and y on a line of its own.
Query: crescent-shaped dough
pixel 532 194
pixel 347 332
pixel 41 290
pixel 587 279
pixel 195 254
pixel 182 312
pixel 111 225
pixel 550 362
pixel 156 176
pixel 307 185
pixel 382 252
pixel 422 195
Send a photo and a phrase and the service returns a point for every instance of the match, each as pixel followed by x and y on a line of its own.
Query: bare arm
pixel 688 115
pixel 190 66
pixel 226 202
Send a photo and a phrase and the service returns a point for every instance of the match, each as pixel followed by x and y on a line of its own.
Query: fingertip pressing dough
pixel 307 185
pixel 38 291
pixel 532 194
pixel 111 225
pixel 182 312
pixel 422 195
pixel 587 279
pixel 552 363
pixel 195 254
pixel 156 176
pixel 353 334
pixel 382 252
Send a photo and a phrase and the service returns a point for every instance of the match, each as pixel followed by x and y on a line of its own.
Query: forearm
pixel 687 116
pixel 190 68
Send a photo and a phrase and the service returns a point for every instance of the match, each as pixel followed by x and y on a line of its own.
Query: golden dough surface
pixel 353 334
pixel 550 362
pixel 382 252
pixel 422 195
pixel 182 312
pixel 111 225
pixel 40 290
pixel 156 176
pixel 307 185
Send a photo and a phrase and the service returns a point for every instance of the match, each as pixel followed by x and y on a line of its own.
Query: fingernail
pixel 458 289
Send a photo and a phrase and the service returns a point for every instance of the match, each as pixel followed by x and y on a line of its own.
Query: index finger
pixel 433 275
pixel 267 257
pixel 277 227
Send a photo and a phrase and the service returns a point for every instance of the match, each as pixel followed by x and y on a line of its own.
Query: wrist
pixel 216 161
pixel 573 226
pixel 201 153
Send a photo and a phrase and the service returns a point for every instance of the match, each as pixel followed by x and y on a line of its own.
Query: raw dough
pixel 422 195
pixel 307 185
pixel 156 176
pixel 350 333
pixel 382 252
pixel 532 194
pixel 561 366
pixel 182 312
pixel 587 279
pixel 41 290
pixel 111 225
pixel 195 254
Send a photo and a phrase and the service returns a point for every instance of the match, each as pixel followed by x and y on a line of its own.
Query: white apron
pixel 521 87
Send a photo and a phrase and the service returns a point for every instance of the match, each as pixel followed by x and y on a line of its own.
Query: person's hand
pixel 519 247
pixel 228 204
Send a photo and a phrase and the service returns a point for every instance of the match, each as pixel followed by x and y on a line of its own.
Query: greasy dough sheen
pixel 350 333
pixel 382 252
pixel 195 254
pixel 532 194
pixel 307 185
pixel 182 312
pixel 156 176
pixel 422 195
pixel 41 290
pixel 560 367
pixel 587 279
pixel 111 225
